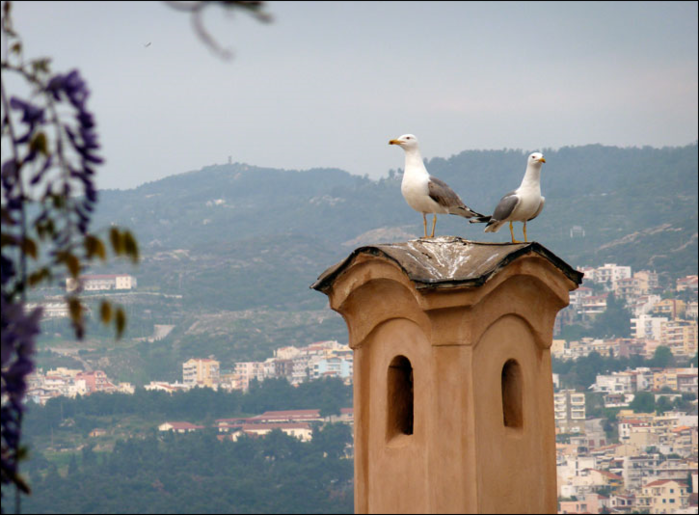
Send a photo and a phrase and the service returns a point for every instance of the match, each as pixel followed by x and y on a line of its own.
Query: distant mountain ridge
pixel 246 242
pixel 609 192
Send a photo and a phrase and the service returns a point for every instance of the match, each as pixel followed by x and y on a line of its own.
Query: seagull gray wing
pixel 505 207
pixel 538 211
pixel 442 194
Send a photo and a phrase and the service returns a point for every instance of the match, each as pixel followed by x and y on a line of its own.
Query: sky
pixel 327 84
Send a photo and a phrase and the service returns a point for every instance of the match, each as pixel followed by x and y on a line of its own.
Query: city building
pixel 610 273
pixel 569 411
pixel 201 372
pixel 647 327
pixel 170 388
pixel 179 427
pixel 101 282
pixel 671 308
pixel 96 381
pixel 593 305
pixel 50 309
pixel 680 336
pixel 663 496
pixel 686 283
pixel 647 281
pixel 247 371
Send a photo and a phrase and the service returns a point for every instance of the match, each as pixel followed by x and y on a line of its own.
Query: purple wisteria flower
pixel 75 152
pixel 31 115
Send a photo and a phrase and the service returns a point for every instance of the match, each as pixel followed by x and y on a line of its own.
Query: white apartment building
pixel 635 469
pixel 647 327
pixel 569 411
pixel 577 296
pixel 610 273
pixel 302 368
pixel 249 370
pixel 101 282
pixel 50 309
pixel 287 352
pixel 593 305
pixel 617 382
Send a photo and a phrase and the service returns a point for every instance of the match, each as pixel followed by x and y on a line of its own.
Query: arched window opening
pixel 511 385
pixel 400 397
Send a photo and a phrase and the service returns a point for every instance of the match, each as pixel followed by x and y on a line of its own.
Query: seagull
pixel 521 205
pixel 424 193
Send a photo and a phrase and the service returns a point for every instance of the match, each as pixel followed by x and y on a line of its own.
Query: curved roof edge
pixel 448 261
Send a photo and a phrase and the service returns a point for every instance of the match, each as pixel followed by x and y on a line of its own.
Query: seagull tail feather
pixel 480 219
pixel 466 212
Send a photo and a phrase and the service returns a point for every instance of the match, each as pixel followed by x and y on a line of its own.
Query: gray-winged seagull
pixel 424 193
pixel 521 205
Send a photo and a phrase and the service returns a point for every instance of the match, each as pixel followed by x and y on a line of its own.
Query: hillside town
pixel 629 461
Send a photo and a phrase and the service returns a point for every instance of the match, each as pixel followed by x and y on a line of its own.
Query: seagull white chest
pixel 530 199
pixel 416 192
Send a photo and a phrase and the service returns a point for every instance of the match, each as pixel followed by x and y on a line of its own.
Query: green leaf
pixel 38 276
pixel 94 247
pixel 58 201
pixel 120 322
pixel 130 246
pixel 76 310
pixel 29 247
pixel 7 240
pixel 117 241
pixel 105 312
pixel 71 262
pixel 41 65
pixel 39 143
pixel 6 217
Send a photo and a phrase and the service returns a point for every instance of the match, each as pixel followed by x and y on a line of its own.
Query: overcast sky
pixel 327 84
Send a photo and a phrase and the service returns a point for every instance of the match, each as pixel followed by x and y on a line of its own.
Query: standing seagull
pixel 424 193
pixel 521 205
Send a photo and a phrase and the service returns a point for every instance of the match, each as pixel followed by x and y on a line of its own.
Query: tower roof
pixel 448 261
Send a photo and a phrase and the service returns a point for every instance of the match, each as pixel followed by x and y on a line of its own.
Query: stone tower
pixel 453 393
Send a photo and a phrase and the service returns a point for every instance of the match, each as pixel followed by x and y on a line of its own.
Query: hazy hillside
pixel 611 193
pixel 244 243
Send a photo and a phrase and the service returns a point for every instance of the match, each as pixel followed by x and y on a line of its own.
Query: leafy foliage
pixel 50 155
pixel 146 473
pixel 198 404
pixel 196 473
pixel 581 373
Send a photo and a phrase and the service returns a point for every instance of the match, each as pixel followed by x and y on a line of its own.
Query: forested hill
pixel 234 248
pixel 636 206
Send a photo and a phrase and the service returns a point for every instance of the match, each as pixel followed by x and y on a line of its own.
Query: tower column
pixel 453 392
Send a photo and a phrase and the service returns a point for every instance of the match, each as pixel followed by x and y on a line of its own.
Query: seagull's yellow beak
pixel 394 142
pixel 542 160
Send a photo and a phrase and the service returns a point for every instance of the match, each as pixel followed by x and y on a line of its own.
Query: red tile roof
pixel 660 482
pixel 269 427
pixel 289 414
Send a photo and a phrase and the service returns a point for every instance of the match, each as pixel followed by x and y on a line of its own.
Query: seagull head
pixel 407 141
pixel 536 159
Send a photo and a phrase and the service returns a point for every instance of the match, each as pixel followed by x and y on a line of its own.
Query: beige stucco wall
pixel 460 458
